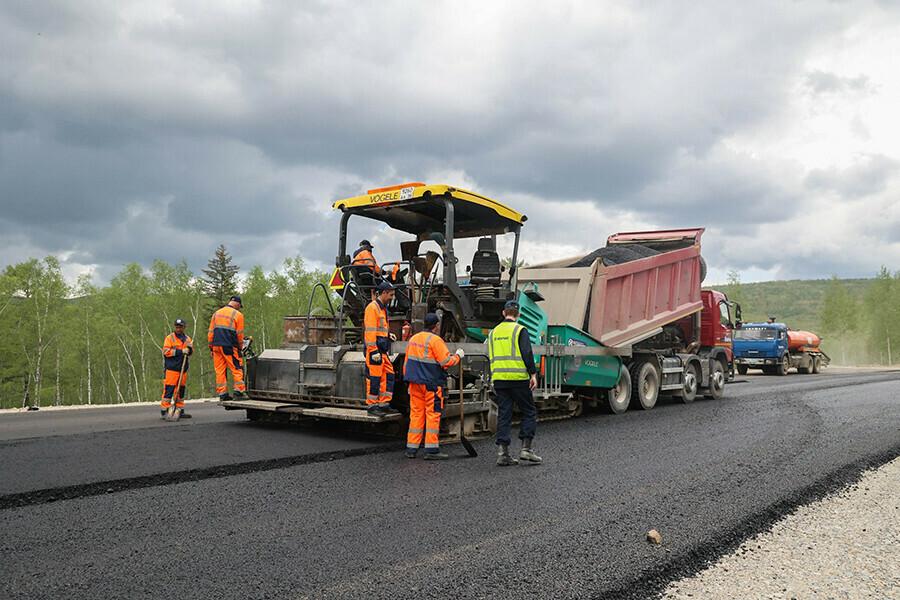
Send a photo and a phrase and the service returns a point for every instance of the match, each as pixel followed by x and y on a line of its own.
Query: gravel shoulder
pixel 844 546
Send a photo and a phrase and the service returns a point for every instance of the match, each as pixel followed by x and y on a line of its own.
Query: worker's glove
pixel 393 337
pixel 375 358
pixel 188 350
pixel 460 353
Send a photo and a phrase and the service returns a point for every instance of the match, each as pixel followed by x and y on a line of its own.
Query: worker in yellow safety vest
pixel 514 376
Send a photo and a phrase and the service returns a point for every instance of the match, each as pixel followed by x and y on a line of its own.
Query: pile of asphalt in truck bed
pixel 616 255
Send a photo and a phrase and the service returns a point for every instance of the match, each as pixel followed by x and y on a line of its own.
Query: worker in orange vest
pixel 364 260
pixel 377 338
pixel 177 347
pixel 425 368
pixel 226 339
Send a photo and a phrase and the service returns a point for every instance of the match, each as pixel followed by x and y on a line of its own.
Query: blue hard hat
pixel 511 304
pixel 385 286
pixel 431 319
pixel 180 322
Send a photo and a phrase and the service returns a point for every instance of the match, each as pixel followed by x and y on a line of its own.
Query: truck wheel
pixel 691 383
pixel 742 369
pixel 702 269
pixel 785 365
pixel 644 385
pixel 619 395
pixel 716 387
pixel 815 365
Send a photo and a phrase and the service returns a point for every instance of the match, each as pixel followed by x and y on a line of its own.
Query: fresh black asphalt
pixel 218 507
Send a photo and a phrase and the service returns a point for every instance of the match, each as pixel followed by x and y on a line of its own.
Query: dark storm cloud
pixel 134 131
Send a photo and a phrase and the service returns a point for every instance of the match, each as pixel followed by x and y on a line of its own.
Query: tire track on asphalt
pixel 101 488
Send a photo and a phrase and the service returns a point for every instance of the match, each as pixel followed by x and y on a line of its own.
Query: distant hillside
pixel 798 303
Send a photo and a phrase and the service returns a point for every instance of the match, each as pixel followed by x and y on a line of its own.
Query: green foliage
pixel 857 319
pixel 733 289
pixel 220 283
pixel 87 345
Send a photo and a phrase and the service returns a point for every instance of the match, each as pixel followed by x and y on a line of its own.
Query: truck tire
pixel 716 387
pixel 644 385
pixel 618 396
pixel 785 365
pixel 806 370
pixel 702 269
pixel 816 368
pixel 691 383
pixel 742 369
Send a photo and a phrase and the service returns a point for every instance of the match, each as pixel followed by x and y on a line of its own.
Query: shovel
pixel 172 413
pixel 462 417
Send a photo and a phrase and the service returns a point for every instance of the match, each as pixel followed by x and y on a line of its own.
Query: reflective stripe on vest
pixel 503 350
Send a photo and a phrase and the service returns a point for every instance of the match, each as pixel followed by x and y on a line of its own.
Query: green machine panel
pixel 584 371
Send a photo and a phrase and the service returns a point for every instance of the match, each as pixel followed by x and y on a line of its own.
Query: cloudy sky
pixel 135 130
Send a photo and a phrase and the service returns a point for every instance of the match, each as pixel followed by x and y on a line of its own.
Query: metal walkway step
pixel 328 412
pixel 348 414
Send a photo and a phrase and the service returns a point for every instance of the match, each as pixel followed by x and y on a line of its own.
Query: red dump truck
pixel 641 293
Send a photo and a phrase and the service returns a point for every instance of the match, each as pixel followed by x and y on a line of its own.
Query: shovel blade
pixel 172 414
pixel 468 446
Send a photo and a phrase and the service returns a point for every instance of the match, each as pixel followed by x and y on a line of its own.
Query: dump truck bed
pixel 622 304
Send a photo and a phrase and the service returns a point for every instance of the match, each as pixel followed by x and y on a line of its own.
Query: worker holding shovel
pixel 425 368
pixel 177 347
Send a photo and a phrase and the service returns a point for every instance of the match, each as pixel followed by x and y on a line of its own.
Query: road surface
pixel 114 502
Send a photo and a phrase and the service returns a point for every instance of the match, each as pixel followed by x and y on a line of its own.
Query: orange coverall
pixel 174 351
pixel 226 337
pixel 363 258
pixel 427 359
pixel 380 371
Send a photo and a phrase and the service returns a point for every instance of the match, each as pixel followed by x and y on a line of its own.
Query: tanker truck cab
pixel 760 346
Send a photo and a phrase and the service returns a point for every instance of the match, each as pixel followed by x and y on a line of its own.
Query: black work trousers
pixel 509 395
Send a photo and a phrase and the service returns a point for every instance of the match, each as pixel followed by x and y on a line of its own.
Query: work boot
pixel 184 415
pixel 163 413
pixel 526 455
pixel 375 410
pixel 411 453
pixel 503 457
pixel 224 397
pixel 436 455
pixel 239 395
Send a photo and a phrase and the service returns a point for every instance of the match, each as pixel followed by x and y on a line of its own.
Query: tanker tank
pixel 798 339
